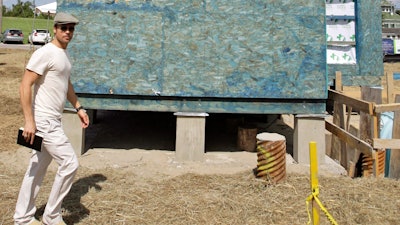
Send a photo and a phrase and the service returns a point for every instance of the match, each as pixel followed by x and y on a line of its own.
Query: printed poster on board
pixel 339 8
pixel 341 55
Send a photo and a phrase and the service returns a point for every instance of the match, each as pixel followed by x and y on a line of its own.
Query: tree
pixel 21 9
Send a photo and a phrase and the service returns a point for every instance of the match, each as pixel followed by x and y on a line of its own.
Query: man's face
pixel 64 32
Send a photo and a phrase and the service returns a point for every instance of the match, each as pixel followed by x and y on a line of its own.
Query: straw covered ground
pixel 146 186
pixel 112 196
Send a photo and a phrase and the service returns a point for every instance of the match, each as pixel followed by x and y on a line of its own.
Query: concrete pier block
pixel 74 131
pixel 308 128
pixel 190 136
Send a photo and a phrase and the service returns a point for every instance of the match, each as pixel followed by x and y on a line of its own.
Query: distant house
pixel 390 21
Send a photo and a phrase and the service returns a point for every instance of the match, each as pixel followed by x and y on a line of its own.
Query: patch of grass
pixel 27 25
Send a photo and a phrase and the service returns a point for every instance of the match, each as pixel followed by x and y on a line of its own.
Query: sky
pixel 395 2
pixel 9 3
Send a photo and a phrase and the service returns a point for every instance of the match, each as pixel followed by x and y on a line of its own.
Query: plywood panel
pixel 369 67
pixel 224 49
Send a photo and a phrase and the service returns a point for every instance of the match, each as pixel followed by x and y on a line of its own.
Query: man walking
pixel 48 70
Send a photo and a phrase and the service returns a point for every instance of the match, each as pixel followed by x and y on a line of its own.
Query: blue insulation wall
pixel 235 56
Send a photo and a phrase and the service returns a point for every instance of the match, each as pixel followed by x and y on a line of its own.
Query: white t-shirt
pixel 50 90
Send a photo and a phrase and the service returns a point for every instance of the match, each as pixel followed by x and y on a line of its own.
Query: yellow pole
pixel 314 180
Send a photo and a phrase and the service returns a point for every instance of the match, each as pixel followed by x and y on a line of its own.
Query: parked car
pixel 39 36
pixel 12 35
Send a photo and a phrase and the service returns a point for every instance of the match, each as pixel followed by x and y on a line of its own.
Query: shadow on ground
pixel 157 130
pixel 76 211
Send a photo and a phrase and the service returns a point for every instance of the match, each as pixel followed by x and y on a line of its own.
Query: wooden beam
pixel 373 95
pixel 387 107
pixel 386 143
pixel 352 153
pixel 350 139
pixel 390 87
pixel 394 167
pixel 356 104
pixel 338 81
pixel 349 110
pixel 338 145
pixel 369 127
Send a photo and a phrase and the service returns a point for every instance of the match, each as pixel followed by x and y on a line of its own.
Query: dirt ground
pixel 129 174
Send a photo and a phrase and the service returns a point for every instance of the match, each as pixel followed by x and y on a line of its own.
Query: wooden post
pixel 247 138
pixel 390 88
pixel 369 126
pixel 394 168
pixel 338 81
pixel 338 146
pixel 352 154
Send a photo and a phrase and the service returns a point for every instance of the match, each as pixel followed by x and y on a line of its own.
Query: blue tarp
pixel 386 133
pixel 396 76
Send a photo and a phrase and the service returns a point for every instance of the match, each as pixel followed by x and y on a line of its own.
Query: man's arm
pixel 25 91
pixel 73 99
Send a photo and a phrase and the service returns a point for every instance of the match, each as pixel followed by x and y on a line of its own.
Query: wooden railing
pixel 362 146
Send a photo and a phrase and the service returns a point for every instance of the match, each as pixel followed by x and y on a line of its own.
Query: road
pixel 19 46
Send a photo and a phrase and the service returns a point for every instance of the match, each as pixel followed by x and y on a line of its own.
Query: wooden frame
pixel 368 142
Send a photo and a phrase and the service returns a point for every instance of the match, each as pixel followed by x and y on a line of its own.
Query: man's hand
pixel 83 116
pixel 29 132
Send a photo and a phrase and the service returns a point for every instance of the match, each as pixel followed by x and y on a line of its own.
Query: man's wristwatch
pixel 80 108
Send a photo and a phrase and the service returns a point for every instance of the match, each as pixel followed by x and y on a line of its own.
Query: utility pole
pixel 1 15
pixel 34 14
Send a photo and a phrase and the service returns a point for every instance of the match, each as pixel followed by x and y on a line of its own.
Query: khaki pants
pixel 55 146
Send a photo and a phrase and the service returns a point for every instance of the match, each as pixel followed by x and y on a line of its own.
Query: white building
pixel 390 21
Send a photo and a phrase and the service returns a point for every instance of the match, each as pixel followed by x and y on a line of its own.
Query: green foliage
pixel 27 25
pixel 21 9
